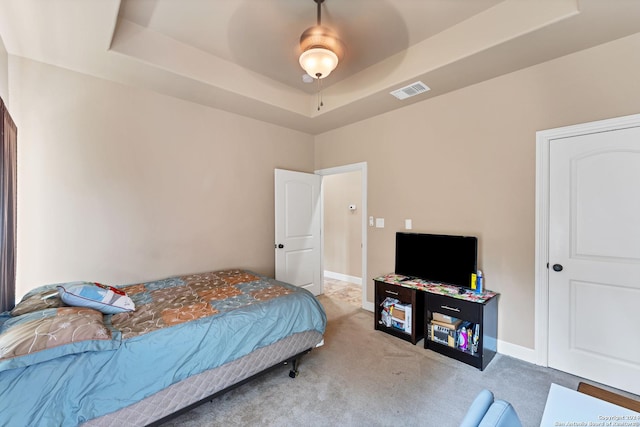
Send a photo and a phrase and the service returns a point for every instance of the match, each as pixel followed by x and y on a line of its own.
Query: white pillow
pixel 107 299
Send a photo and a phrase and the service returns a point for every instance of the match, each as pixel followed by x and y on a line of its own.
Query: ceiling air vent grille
pixel 411 90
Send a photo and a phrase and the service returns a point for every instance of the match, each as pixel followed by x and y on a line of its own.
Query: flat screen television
pixel 437 257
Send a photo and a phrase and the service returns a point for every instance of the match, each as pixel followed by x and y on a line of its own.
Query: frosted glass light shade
pixel 318 62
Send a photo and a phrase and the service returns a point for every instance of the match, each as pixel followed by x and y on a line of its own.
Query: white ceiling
pixel 242 55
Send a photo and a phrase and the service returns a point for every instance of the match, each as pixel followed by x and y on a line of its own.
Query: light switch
pixel 379 222
pixel 407 224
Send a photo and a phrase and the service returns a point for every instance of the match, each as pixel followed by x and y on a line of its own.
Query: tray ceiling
pixel 242 55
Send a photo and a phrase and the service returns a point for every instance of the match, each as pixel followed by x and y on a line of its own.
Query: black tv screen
pixel 437 257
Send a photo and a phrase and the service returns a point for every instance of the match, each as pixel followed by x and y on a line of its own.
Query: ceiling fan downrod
pixel 319 16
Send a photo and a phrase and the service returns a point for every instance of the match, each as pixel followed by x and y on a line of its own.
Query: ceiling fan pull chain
pixel 320 103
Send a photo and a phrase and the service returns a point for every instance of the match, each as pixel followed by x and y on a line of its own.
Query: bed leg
pixel 294 368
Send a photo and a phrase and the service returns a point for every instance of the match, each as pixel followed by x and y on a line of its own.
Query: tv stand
pixel 407 296
pixel 428 298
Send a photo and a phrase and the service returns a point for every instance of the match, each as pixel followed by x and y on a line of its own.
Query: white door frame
pixel 543 139
pixel 362 168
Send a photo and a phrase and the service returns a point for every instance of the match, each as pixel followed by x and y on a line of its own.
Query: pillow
pixel 106 299
pixel 59 332
pixel 47 312
pixel 38 299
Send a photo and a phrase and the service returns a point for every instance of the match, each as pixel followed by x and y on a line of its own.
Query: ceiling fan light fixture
pixel 320 48
pixel 318 62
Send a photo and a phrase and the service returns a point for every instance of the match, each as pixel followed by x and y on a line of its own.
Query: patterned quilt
pixel 177 300
pixel 181 327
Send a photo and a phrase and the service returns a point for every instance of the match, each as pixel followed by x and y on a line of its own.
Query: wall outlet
pixel 370 221
pixel 407 224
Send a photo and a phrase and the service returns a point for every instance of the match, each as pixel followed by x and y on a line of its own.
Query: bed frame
pixel 206 386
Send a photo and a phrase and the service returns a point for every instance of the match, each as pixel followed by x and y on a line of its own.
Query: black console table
pixel 445 302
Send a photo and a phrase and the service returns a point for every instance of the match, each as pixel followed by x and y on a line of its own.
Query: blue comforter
pixel 157 350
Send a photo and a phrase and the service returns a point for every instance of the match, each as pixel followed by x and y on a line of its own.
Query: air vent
pixel 412 90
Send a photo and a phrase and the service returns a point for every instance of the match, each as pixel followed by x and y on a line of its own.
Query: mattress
pixel 205 384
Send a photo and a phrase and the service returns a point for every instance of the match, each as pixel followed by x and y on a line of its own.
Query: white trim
pixel 362 168
pixel 517 351
pixel 543 140
pixel 541 324
pixel 343 277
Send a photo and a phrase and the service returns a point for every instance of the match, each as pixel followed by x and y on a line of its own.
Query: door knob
pixel 280 246
pixel 557 267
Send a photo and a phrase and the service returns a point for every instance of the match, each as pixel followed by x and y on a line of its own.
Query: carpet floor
pixel 364 377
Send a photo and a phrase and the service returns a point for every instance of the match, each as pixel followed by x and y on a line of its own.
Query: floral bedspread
pixel 181 326
pixel 177 300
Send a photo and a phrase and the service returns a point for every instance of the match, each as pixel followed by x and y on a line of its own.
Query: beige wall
pixel 342 228
pixel 118 184
pixel 464 163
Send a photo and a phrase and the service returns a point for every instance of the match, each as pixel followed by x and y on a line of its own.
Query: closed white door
pixel 297 246
pixel 594 256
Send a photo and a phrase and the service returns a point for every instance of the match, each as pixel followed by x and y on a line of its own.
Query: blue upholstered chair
pixel 485 411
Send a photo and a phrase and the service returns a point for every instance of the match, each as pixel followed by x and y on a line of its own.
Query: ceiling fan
pixel 321 51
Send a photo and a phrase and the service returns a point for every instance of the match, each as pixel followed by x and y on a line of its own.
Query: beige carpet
pixel 363 377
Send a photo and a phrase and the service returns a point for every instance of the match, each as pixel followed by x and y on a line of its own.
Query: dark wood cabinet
pixel 484 314
pixel 406 296
pixel 427 298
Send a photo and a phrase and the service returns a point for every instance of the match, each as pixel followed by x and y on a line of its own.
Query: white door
pixel 297 246
pixel 594 256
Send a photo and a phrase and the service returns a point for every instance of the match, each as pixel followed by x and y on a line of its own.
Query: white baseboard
pixel 343 277
pixel 517 351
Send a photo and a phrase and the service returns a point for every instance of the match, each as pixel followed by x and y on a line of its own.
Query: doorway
pixel 344 233
pixel 588 250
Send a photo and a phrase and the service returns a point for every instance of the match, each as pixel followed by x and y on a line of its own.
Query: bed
pixel 189 339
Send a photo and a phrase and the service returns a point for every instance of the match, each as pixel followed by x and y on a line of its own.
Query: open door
pixel 297 233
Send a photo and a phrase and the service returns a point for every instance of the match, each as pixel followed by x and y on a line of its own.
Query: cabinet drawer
pixel 461 309
pixel 393 291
